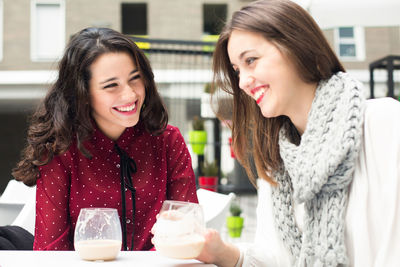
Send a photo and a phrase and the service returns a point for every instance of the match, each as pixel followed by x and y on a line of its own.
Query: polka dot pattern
pixel 71 182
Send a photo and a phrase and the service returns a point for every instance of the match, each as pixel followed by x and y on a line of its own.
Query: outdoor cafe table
pixel 14 258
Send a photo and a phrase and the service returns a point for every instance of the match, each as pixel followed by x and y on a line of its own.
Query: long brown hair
pixel 65 113
pixel 293 31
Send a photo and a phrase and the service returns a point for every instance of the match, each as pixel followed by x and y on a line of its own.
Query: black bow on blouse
pixel 128 167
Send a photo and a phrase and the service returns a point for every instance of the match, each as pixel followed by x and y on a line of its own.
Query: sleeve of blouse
pixel 267 249
pixel 382 175
pixel 52 227
pixel 181 179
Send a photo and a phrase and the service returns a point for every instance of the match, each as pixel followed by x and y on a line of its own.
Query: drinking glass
pixel 98 234
pixel 178 232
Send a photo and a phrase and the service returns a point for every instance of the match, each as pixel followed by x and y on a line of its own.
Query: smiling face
pixel 266 75
pixel 117 93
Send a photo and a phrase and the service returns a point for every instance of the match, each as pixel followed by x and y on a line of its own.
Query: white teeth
pixel 258 94
pixel 126 109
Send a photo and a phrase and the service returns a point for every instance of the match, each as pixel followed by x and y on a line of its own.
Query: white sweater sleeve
pixel 267 249
pixel 373 213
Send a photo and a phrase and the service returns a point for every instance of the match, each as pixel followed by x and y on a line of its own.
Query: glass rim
pixel 179 202
pixel 99 209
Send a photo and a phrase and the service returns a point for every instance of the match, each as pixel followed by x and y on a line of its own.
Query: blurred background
pixel 177 36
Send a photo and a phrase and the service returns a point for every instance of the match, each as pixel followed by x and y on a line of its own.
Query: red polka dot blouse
pixel 71 182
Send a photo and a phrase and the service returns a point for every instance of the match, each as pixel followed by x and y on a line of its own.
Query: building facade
pixel 33 34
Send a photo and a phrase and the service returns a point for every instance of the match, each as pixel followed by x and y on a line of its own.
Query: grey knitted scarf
pixel 318 173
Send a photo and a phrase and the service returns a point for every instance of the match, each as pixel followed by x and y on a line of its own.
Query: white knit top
pixel 373 211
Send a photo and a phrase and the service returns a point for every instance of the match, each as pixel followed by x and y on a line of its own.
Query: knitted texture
pixel 318 173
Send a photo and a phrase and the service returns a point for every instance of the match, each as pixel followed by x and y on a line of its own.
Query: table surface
pixel 13 258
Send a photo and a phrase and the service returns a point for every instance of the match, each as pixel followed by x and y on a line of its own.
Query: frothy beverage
pixel 178 234
pixel 101 249
pixel 184 248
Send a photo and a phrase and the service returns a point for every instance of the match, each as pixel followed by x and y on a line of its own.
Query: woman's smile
pixel 268 76
pixel 117 93
pixel 127 109
pixel 259 92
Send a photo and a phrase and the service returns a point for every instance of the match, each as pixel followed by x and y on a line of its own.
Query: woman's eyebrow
pixel 244 53
pixel 132 72
pixel 114 78
pixel 108 80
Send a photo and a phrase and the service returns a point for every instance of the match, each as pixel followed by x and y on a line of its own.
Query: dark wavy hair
pixel 65 114
pixel 294 32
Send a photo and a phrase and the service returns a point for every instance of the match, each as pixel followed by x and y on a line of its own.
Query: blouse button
pixel 126 189
pixel 128 221
pixel 118 165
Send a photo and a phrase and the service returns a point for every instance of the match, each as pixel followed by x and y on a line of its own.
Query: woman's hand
pixel 217 251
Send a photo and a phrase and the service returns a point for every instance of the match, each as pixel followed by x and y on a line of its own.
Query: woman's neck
pixel 299 114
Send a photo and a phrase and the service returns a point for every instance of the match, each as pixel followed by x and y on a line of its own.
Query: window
pixel 134 18
pixel 47 29
pixel 1 30
pixel 350 43
pixel 214 17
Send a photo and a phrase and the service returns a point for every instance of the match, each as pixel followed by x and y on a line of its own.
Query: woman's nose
pixel 128 91
pixel 246 81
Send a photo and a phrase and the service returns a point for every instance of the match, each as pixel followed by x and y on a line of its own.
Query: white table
pixel 13 258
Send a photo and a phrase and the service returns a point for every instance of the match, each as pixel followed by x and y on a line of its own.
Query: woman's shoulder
pixel 380 154
pixel 382 123
pixel 376 187
pixel 171 131
pixel 172 128
pixel 384 109
pixel 65 157
pixel 382 120
pixel 172 138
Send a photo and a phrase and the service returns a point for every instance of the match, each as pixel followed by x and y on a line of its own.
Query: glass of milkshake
pixel 98 234
pixel 178 232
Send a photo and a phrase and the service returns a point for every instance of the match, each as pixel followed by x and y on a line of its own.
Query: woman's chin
pixel 268 113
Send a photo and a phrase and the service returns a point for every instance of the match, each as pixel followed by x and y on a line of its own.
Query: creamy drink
pixel 178 232
pixel 101 249
pixel 184 248
pixel 98 234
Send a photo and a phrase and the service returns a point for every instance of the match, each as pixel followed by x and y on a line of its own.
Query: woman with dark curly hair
pixel 101 139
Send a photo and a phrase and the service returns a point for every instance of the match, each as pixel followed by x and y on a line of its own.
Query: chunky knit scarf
pixel 318 173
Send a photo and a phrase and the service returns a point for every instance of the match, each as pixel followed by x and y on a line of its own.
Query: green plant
pixel 234 223
pixel 198 123
pixel 235 209
pixel 209 168
pixel 207 88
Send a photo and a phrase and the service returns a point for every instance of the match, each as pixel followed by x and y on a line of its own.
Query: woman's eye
pixel 111 85
pixel 250 60
pixel 135 78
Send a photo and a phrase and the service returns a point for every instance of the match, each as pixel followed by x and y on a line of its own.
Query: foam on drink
pixel 100 249
pixel 178 235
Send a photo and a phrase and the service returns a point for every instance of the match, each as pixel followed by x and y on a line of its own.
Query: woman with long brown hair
pixel 327 159
pixel 101 139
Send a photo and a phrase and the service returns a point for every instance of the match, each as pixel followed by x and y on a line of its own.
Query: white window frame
pixel 34 56
pixel 1 29
pixel 358 40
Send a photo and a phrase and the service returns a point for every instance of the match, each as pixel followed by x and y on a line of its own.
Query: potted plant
pixel 209 179
pixel 198 137
pixel 234 223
